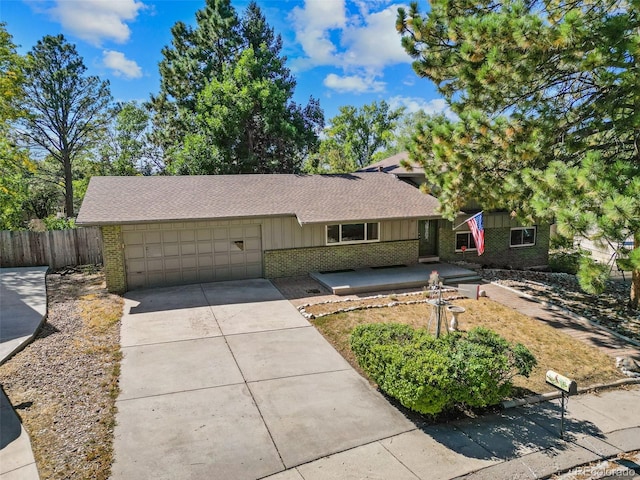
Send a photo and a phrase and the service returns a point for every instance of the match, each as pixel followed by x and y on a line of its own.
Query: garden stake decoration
pixel 437 305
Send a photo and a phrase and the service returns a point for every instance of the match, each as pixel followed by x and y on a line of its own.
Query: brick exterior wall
pixel 300 261
pixel 113 258
pixel 497 252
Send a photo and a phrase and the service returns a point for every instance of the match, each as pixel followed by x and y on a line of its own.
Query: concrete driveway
pixel 228 380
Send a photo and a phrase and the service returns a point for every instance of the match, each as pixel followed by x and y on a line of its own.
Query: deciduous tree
pixel 355 135
pixel 14 161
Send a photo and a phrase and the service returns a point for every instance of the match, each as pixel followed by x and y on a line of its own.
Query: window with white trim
pixel 353 233
pixel 523 237
pixel 466 240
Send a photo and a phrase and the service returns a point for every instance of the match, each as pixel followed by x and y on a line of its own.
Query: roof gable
pixel 310 198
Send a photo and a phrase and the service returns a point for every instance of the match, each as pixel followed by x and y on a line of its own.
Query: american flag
pixel 476 225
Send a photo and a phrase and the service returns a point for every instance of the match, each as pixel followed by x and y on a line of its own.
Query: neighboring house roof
pixel 392 165
pixel 311 198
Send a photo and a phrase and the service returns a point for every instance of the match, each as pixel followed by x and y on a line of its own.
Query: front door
pixel 428 234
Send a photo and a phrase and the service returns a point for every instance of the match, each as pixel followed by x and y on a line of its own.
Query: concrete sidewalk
pixel 23 306
pixel 520 443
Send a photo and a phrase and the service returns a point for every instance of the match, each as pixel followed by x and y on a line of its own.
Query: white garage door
pixel 173 256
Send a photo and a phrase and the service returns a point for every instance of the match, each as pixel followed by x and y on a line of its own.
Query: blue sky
pixel 342 52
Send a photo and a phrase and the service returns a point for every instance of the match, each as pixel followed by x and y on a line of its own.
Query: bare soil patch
pixel 65 381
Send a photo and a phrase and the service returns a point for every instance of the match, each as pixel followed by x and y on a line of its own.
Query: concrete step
pixel 429 259
pixel 461 279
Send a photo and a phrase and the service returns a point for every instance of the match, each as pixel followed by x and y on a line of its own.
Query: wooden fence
pixel 56 248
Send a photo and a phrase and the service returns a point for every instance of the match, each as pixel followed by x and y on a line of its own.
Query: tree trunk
pixel 634 300
pixel 68 188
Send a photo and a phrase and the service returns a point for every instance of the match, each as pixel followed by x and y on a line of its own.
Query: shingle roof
pixel 311 198
pixel 392 165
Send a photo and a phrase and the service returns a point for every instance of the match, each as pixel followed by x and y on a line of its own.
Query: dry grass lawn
pixel 553 349
pixel 66 381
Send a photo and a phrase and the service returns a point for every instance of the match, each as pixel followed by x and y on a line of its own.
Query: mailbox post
pixel 567 387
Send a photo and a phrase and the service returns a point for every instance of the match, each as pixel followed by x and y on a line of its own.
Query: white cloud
pixel 120 65
pixel 97 20
pixel 313 25
pixel 364 40
pixel 431 107
pixel 376 44
pixel 352 83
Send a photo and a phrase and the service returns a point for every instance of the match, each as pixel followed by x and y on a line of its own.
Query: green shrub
pixel 566 260
pixel 431 375
pixel 54 223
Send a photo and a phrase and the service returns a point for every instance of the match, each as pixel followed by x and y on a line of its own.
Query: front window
pixel 523 236
pixel 353 233
pixel 465 241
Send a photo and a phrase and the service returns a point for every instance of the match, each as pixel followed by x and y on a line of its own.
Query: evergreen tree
pixel 67 111
pixel 230 110
pixel 547 96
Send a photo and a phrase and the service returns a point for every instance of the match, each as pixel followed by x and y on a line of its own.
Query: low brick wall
pixel 300 261
pixel 497 252
pixel 113 257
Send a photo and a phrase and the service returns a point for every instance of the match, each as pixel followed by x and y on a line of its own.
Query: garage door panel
pixel 220 233
pixel 190 262
pixel 173 278
pixel 170 236
pixel 133 238
pixel 205 248
pixel 237 233
pixel 190 276
pixel 187 235
pixel 221 246
pixel 155 265
pixel 198 252
pixel 134 251
pixel 153 251
pixel 253 257
pixel 137 265
pixel 206 274
pixel 205 261
pixel 254 271
pixel 172 263
pixel 171 249
pixel 203 234
pixel 221 259
pixel 223 273
pixel 188 249
pixel 237 259
pixel 152 237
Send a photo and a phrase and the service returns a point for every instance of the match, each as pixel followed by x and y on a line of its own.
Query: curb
pixel 553 306
pixel 553 395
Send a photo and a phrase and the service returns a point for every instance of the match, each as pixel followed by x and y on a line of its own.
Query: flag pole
pixel 472 216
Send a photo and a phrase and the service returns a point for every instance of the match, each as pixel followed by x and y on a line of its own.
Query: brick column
pixel 113 258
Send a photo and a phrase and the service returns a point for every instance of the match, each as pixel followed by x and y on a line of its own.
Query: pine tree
pixel 68 110
pixel 547 96
pixel 225 102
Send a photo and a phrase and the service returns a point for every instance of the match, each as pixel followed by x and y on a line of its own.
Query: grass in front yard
pixel 553 349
